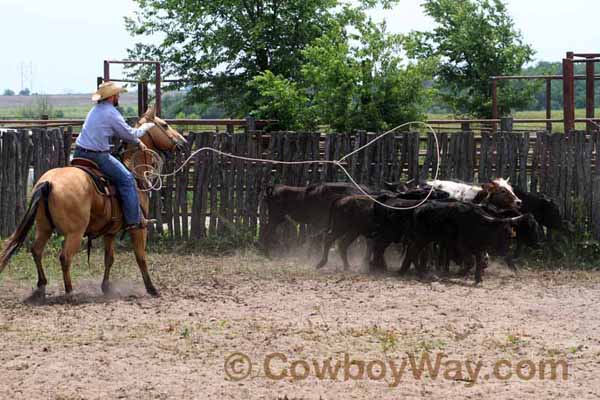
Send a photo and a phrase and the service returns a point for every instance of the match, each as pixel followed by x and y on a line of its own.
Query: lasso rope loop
pixel 153 177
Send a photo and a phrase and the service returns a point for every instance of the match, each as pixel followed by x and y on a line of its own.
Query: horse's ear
pixel 508 179
pixel 150 113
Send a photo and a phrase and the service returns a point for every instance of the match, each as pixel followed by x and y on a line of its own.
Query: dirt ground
pixel 289 321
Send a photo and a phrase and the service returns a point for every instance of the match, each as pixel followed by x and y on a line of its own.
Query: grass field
pixel 74 112
pixel 556 114
pixel 72 106
pixel 77 106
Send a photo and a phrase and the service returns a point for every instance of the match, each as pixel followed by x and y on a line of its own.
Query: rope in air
pixel 153 176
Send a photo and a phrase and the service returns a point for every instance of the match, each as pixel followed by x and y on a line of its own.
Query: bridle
pixel 152 158
pixel 164 131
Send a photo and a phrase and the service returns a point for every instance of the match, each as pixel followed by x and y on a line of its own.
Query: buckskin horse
pixel 74 207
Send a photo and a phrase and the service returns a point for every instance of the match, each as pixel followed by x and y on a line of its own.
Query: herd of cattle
pixel 459 222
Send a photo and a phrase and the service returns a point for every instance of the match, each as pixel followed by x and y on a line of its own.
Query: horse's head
pixel 161 137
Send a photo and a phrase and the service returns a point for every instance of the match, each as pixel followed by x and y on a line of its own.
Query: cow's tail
pixel 329 226
pixel 14 243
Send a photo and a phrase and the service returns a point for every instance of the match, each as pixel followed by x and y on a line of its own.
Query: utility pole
pixel 22 75
pixel 31 76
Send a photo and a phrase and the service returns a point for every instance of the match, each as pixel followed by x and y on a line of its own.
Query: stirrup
pixel 141 225
pixel 132 227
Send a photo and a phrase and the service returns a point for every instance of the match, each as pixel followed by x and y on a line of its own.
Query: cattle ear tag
pixel 514 232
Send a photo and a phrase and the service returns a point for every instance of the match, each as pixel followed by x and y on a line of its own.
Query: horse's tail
pixel 14 243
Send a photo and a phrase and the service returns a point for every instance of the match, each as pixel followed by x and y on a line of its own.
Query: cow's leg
pixel 378 263
pixel 314 241
pixel 518 249
pixel 510 262
pixel 510 258
pixel 421 264
pixel 263 239
pixel 343 245
pixel 268 233
pixel 411 256
pixel 109 258
pixel 466 259
pixel 478 268
pixel 368 252
pixel 327 242
pixel 445 257
pixel 466 264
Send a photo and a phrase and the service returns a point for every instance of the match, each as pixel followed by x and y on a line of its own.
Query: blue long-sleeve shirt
pixel 102 123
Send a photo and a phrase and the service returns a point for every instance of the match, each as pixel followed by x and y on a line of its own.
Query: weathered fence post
pixel 506 124
pixel 250 124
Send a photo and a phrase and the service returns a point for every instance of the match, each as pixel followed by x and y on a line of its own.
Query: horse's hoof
pixel 37 296
pixel 107 288
pixel 69 297
pixel 152 291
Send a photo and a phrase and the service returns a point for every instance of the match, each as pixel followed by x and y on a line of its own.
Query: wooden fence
pixel 24 156
pixel 215 194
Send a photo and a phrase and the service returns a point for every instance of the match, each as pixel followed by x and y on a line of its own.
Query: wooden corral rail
pixel 215 194
pixel 250 123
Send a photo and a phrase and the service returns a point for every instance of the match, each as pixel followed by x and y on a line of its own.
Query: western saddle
pixel 106 189
pixel 101 182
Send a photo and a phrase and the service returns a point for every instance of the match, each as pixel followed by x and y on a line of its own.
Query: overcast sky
pixel 63 42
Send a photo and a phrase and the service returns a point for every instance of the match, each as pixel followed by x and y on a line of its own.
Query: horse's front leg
pixel 109 259
pixel 138 237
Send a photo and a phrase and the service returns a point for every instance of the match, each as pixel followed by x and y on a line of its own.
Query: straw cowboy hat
pixel 107 89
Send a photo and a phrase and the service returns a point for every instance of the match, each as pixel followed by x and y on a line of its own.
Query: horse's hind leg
pixel 138 237
pixel 109 258
pixel 42 235
pixel 70 247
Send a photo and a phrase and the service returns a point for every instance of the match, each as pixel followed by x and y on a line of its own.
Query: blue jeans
pixel 121 177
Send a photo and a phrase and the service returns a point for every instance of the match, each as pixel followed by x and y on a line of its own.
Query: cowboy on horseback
pixel 67 201
pixel 102 123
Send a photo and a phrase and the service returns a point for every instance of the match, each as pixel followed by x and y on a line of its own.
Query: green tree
pixel 555 68
pixel 474 39
pixel 24 92
pixel 218 46
pixel 360 80
pixel 282 100
pixel 178 105
pixel 8 92
pixel 351 79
